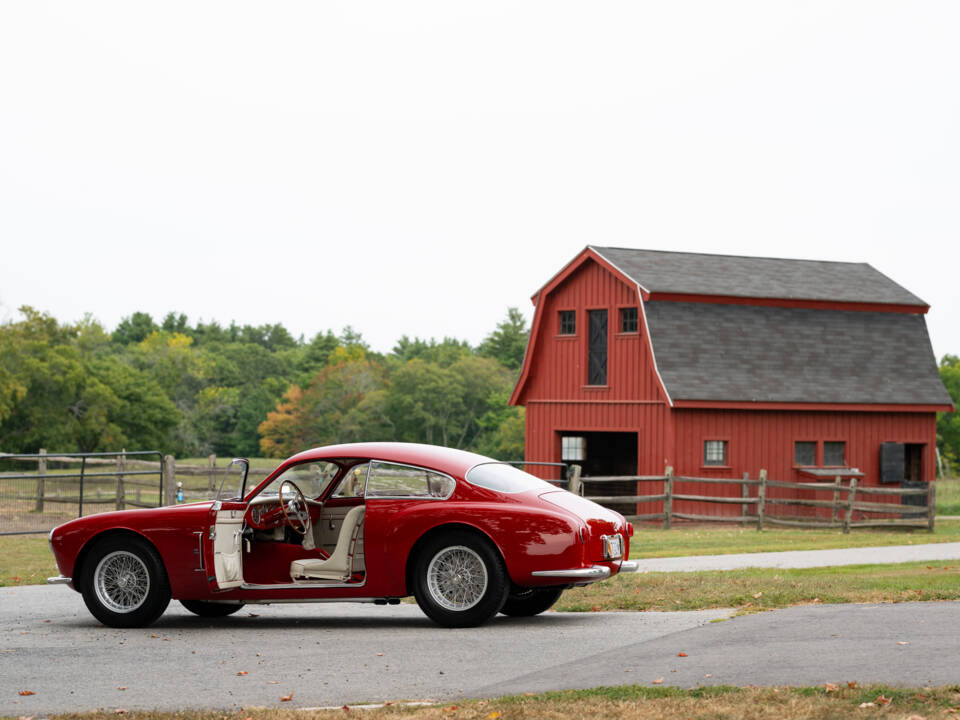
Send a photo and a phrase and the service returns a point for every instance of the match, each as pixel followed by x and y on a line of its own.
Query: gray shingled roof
pixel 774 354
pixel 674 272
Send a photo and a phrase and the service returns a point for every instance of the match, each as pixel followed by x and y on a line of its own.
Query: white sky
pixel 419 167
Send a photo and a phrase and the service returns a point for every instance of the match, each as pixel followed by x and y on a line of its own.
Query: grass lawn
pixel 25 560
pixel 948 496
pixel 631 702
pixel 651 541
pixel 757 589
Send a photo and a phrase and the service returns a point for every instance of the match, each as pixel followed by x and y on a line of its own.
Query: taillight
pixel 629 529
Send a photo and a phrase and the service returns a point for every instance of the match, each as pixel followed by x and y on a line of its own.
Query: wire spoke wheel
pixel 121 581
pixel 457 578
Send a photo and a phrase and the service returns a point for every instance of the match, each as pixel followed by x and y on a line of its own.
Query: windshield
pixel 312 478
pixel 505 478
pixel 234 480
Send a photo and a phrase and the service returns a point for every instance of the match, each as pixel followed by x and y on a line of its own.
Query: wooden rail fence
pixel 848 501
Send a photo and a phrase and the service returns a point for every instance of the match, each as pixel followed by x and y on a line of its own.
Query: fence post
pixel 761 499
pixel 575 484
pixel 668 497
pixel 169 481
pixel 850 496
pixel 121 499
pixel 745 493
pixel 41 480
pixel 212 477
pixel 836 498
pixel 931 504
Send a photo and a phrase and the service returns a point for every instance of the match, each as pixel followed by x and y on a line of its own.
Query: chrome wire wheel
pixel 121 581
pixel 457 578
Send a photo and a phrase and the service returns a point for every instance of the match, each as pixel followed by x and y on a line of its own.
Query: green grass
pixel 705 539
pixel 25 560
pixel 948 496
pixel 767 588
pixel 629 702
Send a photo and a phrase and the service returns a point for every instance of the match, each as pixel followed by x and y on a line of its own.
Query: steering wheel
pixel 295 512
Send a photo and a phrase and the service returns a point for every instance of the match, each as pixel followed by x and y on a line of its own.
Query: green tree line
pixel 249 390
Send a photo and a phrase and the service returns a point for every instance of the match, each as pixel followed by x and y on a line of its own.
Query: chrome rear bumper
pixel 597 572
pixel 629 566
pixel 59 580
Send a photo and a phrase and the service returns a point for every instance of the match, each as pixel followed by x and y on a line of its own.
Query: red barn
pixel 720 365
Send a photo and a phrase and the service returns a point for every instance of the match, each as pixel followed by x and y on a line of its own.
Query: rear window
pixel 505 478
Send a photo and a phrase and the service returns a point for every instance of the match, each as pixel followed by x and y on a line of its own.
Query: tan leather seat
pixel 338 565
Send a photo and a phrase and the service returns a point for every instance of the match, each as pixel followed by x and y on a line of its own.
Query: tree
pixel 508 342
pixel 948 424
pixel 135 328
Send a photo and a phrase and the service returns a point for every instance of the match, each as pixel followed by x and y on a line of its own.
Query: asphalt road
pixel 334 654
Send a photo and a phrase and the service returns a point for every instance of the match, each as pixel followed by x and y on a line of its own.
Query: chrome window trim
pixel 368 496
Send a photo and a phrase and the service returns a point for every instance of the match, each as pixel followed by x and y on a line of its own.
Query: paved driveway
pixel 342 653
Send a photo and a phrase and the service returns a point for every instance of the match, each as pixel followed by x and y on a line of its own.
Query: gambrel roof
pixel 755 277
pixel 749 353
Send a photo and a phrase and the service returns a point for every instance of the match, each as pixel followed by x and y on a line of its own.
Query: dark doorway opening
pixel 604 454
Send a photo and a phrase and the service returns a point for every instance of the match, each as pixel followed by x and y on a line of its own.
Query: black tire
pixel 211 609
pixel 455 601
pixel 526 602
pixel 124 582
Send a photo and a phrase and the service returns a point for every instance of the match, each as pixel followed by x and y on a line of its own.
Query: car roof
pixel 449 460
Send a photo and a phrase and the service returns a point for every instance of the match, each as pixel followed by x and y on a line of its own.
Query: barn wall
pixel 558 368
pixel 764 440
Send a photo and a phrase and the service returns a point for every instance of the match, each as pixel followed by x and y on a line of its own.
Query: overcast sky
pixel 416 167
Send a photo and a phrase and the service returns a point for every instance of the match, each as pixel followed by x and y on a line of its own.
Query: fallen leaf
pixel 681 655
pixel 24 693
pixel 379 654
pixel 493 716
pixel 451 708
pixel 242 672
pixel 658 681
pixel 154 635
pixel 916 717
pixel 852 684
pixel 287 698
pixel 865 705
pixel 708 675
pixel 26 717
pixel 758 595
pixel 901 642
pixel 346 708
pixel 48 621
pixel 816 600
pixel 273 682
pixel 16 579
pixel 831 687
pixel 120 711
pixel 122 687
pixel 881 700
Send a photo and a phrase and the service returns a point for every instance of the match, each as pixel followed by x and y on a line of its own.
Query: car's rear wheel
pixel 125 583
pixel 525 602
pixel 211 609
pixel 459 580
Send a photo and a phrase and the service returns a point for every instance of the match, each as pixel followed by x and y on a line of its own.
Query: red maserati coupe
pixel 369 522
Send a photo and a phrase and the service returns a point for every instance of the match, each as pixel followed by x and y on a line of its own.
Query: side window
pixel 353 483
pixel 389 480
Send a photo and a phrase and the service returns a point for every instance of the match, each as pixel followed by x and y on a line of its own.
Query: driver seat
pixel 339 566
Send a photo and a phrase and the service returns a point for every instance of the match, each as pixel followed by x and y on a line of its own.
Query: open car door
pixel 226 532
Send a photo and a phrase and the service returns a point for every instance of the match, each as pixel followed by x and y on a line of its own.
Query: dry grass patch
pixel 767 588
pixel 631 703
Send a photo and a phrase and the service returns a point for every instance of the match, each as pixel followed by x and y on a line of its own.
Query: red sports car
pixel 370 522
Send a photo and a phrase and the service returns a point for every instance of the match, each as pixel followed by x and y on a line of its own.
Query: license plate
pixel 612 547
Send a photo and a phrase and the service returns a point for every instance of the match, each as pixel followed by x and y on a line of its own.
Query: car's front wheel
pixel 125 583
pixel 211 609
pixel 526 602
pixel 460 580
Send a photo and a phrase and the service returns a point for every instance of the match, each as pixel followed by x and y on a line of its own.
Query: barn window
pixel 573 447
pixel 597 355
pixel 568 322
pixel 834 453
pixel 805 453
pixel 715 452
pixel 628 320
